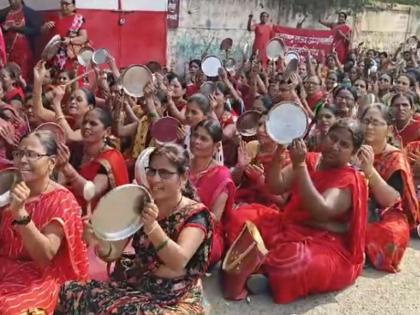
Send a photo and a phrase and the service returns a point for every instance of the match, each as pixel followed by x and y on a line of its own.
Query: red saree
pixel 114 164
pixel 23 284
pixel 303 260
pixel 340 44
pixel 410 133
pixel 18 46
pixel 387 239
pixel 210 184
pixel 250 192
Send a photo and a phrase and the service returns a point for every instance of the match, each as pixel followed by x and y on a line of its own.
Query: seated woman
pixel 393 208
pixel 316 244
pixel 70 119
pixel 254 165
pixel 99 163
pixel 40 232
pixel 325 117
pixel 172 251
pixel 413 153
pixel 198 109
pixel 212 180
pixel 407 127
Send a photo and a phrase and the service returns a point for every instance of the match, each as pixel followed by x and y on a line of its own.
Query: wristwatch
pixel 23 221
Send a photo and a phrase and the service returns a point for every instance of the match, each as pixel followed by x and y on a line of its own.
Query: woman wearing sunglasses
pixel 41 243
pixel 172 251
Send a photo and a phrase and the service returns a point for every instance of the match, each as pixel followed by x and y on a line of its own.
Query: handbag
pixel 243 258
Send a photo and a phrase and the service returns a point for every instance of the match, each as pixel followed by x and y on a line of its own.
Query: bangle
pixel 103 256
pixel 155 225
pixel 23 221
pixel 60 117
pixel 299 166
pixel 162 245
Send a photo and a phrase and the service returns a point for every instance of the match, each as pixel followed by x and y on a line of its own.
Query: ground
pixel 373 293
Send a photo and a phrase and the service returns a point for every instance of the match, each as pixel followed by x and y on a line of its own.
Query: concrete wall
pixel 382 27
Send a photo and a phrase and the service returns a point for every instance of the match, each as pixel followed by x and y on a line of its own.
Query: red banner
pixel 301 39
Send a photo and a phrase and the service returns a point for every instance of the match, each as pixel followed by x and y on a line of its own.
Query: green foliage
pixel 409 2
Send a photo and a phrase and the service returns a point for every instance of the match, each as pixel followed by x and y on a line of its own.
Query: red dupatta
pixel 114 163
pixel 211 183
pixel 387 164
pixel 341 178
pixel 410 133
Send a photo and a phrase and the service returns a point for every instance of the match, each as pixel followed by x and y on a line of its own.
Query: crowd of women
pixel 325 207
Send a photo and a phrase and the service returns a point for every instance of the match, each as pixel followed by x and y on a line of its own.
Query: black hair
pixel 384 110
pixel 408 96
pixel 391 79
pixel 180 159
pixel 172 76
pixel 330 107
pixel 202 102
pixel 222 87
pixel 90 98
pixel 104 116
pixel 353 126
pixel 343 13
pixel 346 88
pixel 196 61
pixel 266 101
pixel 213 128
pixel 154 66
pixel 410 78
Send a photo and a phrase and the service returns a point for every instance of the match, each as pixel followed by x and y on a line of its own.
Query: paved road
pixel 373 293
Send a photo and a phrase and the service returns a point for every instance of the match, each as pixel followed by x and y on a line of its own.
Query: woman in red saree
pixel 393 207
pixel 214 184
pixel 316 244
pixel 40 233
pixel 22 27
pixel 71 26
pixel 342 36
pixel 254 165
pixel 263 33
pixel 100 165
pixel 413 154
pixel 12 91
pixel 171 251
pixel 407 127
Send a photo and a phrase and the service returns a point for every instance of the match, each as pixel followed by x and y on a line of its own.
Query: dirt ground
pixel 373 293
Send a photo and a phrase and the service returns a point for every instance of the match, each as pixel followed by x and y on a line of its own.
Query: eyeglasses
pixel 374 123
pixel 163 173
pixel 30 155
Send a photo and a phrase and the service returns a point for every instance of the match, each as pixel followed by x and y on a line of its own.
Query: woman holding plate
pixel 71 27
pixel 171 251
pixel 322 228
pixel 99 166
pixel 40 232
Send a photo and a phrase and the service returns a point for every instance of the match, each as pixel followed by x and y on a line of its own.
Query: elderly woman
pixel 40 232
pixel 172 251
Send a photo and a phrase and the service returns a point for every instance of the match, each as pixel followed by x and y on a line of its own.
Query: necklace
pixel 87 158
pixel 403 128
pixel 197 173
